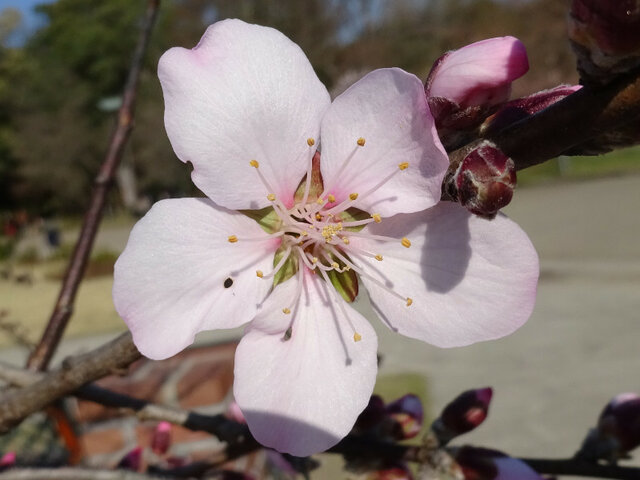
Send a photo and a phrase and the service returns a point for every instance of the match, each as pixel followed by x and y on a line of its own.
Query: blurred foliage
pixel 56 89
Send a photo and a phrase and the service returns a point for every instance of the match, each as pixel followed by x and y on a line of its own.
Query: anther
pixel 271 197
pixel 376 217
pixel 232 239
pixel 353 196
pixel 319 201
pixel 405 242
pixel 360 142
pixel 335 265
pixel 409 301
pixel 403 165
pixel 304 233
pixel 259 273
pixel 378 257
pixel 311 142
pixel 318 217
pixel 286 311
pixel 331 198
pixel 357 337
pixel 346 240
pixel 314 260
pixel 254 163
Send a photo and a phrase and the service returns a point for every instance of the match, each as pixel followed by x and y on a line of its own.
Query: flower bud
pixel 161 440
pixel 464 84
pixel 463 414
pixel 373 414
pixel 486 464
pixel 407 414
pixel 485 180
pixel 605 35
pixel 391 472
pixel 515 110
pixel 7 460
pixel 132 460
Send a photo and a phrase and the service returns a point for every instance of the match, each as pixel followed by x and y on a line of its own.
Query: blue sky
pixel 30 19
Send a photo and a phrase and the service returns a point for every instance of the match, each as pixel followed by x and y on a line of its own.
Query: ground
pixel 551 378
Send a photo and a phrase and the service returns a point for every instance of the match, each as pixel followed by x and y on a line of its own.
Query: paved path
pixel 553 376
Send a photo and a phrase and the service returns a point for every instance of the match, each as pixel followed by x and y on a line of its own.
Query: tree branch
pixel 76 474
pixel 41 355
pixel 581 468
pixel 74 372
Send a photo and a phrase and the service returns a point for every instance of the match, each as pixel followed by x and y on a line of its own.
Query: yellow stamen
pixel 335 265
pixel 331 198
pixel 357 337
pixel 259 273
pixel 314 260
pixel 254 163
pixel 311 142
pixel 378 257
pixel 319 201
pixel 353 196
pixel 271 197
pixel 403 165
pixel 360 142
pixel 405 242
pixel 286 311
pixel 346 240
pixel 304 233
pixel 318 217
pixel 232 239
pixel 376 217
pixel 409 301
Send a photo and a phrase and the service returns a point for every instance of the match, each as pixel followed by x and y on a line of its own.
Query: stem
pixel 41 355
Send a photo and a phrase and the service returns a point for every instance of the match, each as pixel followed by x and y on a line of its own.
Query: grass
pixel 620 162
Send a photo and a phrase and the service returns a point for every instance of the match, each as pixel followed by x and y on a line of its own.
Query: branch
pixel 581 468
pixel 76 474
pixel 41 355
pixel 583 116
pixel 74 372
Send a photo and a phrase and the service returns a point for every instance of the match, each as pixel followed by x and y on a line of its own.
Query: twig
pixel 63 309
pixel 76 474
pixel 74 372
pixel 575 120
pixel 580 468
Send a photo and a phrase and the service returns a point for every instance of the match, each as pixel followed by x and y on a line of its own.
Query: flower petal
pixel 388 109
pixel 180 275
pixel 245 92
pixel 470 279
pixel 480 73
pixel 302 395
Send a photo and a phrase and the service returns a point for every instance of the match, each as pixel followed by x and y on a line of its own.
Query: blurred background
pixel 63 65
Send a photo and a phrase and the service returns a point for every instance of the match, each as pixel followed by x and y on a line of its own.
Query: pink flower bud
pixel 620 420
pixel 463 414
pixel 161 440
pixel 520 108
pixel 391 472
pixel 485 180
pixel 606 36
pixel 464 84
pixel 486 464
pixel 7 460
pixel 407 413
pixel 132 460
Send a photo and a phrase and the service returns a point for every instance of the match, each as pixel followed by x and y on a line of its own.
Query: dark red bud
pixel 485 180
pixel 463 414
pixel 621 420
pixel 606 37
pixel 515 110
pixel 161 440
pixel 407 414
pixel 132 460
pixel 391 472
pixel 373 414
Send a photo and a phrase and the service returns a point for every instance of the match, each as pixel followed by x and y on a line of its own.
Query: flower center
pixel 316 234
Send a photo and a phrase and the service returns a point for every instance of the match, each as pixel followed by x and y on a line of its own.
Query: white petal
pixel 302 395
pixel 244 93
pixel 387 108
pixel 470 279
pixel 169 283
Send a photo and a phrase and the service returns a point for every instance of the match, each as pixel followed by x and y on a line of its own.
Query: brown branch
pixel 70 473
pixel 583 116
pixel 63 309
pixel 74 372
pixel 581 468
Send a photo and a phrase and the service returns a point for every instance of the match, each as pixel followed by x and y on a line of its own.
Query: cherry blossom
pixel 287 235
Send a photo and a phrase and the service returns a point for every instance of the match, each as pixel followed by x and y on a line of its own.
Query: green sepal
pixel 266 217
pixel 316 188
pixel 346 284
pixel 352 215
pixel 289 268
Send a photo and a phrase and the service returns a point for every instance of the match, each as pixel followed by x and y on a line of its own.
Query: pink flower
pixel 247 110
